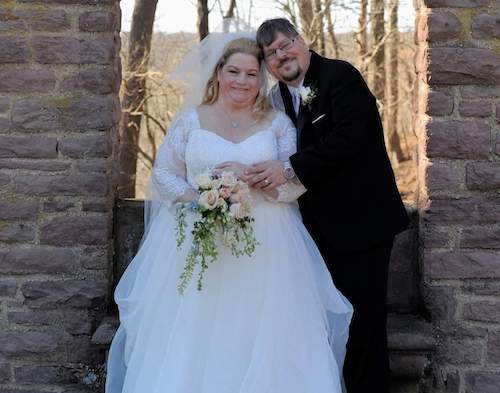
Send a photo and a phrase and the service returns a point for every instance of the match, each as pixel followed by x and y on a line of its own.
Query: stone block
pixel 4 104
pixel 483 176
pixel 34 20
pixel 475 109
pixel 455 3
pixel 493 348
pixel 38 260
pixel 77 323
pixel 480 91
pixel 14 50
pixel 35 374
pixel 98 21
pixel 444 177
pixel 478 381
pixel 99 81
pixel 439 103
pixel 84 351
pixel 99 165
pixel 11 232
pixel 4 179
pixel 5 125
pixel 68 114
pixel 18 210
pixel 483 310
pixel 5 373
pixel 69 50
pixel 461 66
pixel 486 26
pixel 28 147
pixel 106 330
pixel 20 344
pixel 441 302
pixel 84 294
pixel 480 237
pixel 8 287
pixel 26 80
pixel 70 231
pixel 456 139
pixel 461 352
pixel 57 206
pixel 435 237
pixel 35 165
pixel 465 211
pixel 34 318
pixel 462 264
pixel 443 26
pixel 86 146
pixel 45 185
pixel 96 206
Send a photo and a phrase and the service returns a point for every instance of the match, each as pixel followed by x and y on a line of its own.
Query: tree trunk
pixel 319 30
pixel 394 140
pixel 134 93
pixel 230 10
pixel 378 30
pixel 361 34
pixel 306 14
pixel 202 19
pixel 330 29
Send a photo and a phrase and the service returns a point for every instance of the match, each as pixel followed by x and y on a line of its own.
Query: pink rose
pixel 225 192
pixel 209 199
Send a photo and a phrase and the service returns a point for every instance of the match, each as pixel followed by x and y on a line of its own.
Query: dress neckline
pixel 199 127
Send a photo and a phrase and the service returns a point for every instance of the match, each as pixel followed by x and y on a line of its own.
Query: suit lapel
pixel 311 80
pixel 287 100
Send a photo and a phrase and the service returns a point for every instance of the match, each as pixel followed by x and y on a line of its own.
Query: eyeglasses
pixel 285 46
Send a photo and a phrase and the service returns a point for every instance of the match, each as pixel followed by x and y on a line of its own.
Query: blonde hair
pixel 240 45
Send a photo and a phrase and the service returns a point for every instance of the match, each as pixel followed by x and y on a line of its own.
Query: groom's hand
pixel 266 175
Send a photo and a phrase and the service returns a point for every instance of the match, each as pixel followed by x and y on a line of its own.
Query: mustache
pixel 282 62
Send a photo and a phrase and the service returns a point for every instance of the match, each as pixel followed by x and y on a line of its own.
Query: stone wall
pixel 459 163
pixel 59 78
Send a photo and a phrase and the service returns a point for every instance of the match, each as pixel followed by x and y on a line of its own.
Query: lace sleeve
pixel 169 171
pixel 287 145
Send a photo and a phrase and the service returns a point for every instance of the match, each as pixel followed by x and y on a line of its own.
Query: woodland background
pixel 374 42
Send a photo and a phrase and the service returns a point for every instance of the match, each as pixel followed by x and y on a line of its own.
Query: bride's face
pixel 239 79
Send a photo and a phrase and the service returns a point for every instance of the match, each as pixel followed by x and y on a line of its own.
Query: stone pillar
pixel 459 180
pixel 59 109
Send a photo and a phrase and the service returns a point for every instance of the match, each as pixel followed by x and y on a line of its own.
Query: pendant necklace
pixel 234 124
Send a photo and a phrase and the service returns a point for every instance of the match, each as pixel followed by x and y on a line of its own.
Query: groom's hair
pixel 268 30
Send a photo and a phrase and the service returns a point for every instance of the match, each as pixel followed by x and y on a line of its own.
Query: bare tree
pixel 289 9
pixel 202 19
pixel 378 31
pixel 330 29
pixel 318 27
pixel 361 34
pixel 394 140
pixel 134 93
pixel 230 10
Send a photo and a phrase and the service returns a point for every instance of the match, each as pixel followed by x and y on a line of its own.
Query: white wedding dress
pixel 271 323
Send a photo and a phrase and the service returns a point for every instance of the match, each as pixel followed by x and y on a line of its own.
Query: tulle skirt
pixel 270 323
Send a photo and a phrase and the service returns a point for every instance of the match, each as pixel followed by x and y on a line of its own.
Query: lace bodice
pixel 189 149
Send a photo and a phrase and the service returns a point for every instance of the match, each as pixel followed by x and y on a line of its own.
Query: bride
pixel 270 323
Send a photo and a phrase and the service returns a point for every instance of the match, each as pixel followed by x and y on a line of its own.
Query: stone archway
pixel 457 122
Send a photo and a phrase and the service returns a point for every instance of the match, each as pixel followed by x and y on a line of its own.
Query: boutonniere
pixel 307 94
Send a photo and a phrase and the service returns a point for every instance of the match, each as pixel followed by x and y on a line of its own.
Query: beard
pixel 292 75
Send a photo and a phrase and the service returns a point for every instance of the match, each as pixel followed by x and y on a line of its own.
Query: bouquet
pixel 223 212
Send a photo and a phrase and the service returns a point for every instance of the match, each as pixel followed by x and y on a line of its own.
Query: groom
pixel 352 207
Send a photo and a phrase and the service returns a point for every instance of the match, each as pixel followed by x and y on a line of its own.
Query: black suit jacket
pixel 352 195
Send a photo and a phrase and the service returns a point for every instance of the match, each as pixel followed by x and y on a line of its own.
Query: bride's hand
pixel 231 166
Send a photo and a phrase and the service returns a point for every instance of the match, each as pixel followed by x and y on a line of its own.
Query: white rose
pixel 209 199
pixel 239 210
pixel 228 179
pixel 204 180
